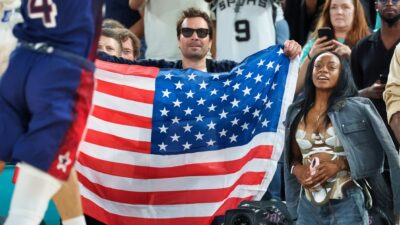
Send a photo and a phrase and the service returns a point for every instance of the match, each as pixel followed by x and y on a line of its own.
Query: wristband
pixel 308 56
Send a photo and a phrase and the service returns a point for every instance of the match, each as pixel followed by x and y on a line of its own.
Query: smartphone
pixel 382 78
pixel 325 32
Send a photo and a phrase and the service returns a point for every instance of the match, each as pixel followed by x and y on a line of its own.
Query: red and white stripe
pixel 122 183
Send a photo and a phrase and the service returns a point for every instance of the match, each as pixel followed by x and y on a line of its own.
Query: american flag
pixel 183 146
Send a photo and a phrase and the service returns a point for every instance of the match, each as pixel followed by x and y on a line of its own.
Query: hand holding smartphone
pixel 382 78
pixel 325 32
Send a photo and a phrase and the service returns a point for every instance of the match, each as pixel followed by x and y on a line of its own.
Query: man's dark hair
pixel 110 23
pixel 111 33
pixel 191 13
pixel 125 34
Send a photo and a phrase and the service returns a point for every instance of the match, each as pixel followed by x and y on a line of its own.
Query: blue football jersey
pixel 70 25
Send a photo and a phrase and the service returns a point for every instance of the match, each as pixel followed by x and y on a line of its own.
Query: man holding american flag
pixel 194 32
pixel 183 146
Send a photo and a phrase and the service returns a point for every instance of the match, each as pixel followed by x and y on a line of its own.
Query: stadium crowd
pixel 340 162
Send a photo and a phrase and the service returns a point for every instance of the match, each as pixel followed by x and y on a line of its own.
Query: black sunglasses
pixel 188 32
pixel 386 1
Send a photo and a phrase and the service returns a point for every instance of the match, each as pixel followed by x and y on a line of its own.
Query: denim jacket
pixel 365 140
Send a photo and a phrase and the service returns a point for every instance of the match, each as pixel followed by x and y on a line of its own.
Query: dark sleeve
pixel 120 11
pixel 143 62
pixel 220 66
pixel 298 20
pixel 355 66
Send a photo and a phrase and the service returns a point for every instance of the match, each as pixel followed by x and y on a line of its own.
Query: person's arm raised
pixel 291 49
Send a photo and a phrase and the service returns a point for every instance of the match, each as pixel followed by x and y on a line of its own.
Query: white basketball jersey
pixel 243 28
pixel 8 18
pixel 160 17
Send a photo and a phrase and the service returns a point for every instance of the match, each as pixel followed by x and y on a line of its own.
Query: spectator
pixel 160 17
pixel 347 21
pixel 194 48
pixel 370 63
pixel 392 94
pixel 194 33
pixel 370 59
pixel 130 44
pixel 332 140
pixel 245 27
pixel 194 45
pixel 110 42
pixel 314 8
pixel 132 19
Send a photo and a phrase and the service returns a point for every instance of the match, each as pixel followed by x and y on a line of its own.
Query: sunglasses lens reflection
pixel 188 32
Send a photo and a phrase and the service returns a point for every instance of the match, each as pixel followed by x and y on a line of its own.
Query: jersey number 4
pixel 45 10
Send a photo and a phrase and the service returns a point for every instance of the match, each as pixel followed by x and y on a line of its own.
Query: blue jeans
pixel 347 211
